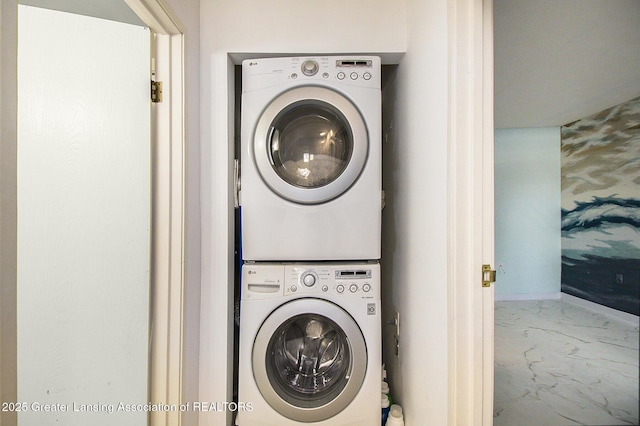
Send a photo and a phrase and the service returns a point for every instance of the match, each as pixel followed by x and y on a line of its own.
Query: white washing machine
pixel 311 176
pixel 310 345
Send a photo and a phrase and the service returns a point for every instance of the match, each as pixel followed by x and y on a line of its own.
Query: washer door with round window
pixel 310 144
pixel 308 359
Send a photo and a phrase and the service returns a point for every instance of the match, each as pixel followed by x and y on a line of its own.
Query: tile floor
pixel 559 364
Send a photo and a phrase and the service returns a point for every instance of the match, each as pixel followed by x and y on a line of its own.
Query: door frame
pixel 166 340
pixel 169 211
pixel 8 206
pixel 471 223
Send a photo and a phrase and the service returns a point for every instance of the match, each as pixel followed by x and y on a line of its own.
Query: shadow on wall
pixel 601 207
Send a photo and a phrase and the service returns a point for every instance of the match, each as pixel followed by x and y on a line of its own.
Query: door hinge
pixel 488 276
pixel 156 91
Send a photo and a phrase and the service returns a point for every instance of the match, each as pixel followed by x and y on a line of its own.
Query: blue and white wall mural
pixel 601 207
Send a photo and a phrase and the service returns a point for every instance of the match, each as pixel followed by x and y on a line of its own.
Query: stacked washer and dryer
pixel 311 201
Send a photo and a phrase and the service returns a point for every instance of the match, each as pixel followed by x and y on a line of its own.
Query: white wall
pixel 246 28
pixel 415 219
pixel 286 26
pixel 527 212
pixel 557 61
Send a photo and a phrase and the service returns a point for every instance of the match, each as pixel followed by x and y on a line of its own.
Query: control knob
pixel 310 67
pixel 309 279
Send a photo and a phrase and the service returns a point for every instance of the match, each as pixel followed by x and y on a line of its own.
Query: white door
pixel 84 195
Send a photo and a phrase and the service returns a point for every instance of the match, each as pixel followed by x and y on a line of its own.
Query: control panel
pixel 260 281
pixel 341 69
pixel 358 70
pixel 348 281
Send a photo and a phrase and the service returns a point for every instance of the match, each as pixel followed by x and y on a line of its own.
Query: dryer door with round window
pixel 310 145
pixel 308 360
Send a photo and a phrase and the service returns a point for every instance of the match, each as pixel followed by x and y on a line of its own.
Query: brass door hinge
pixel 156 91
pixel 488 276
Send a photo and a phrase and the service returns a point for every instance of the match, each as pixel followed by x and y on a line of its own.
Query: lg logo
pixel 250 272
pixel 252 64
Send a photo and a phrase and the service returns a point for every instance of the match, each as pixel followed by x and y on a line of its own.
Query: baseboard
pixel 634 320
pixel 527 296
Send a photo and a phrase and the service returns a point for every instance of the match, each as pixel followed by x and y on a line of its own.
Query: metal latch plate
pixel 488 276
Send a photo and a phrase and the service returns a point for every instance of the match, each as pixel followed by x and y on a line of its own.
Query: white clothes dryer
pixel 310 345
pixel 311 174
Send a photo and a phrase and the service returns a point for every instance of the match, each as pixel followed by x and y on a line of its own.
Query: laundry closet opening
pixel 385 238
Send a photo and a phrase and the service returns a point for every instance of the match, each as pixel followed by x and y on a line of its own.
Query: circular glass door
pixel 310 145
pixel 307 360
pixel 310 360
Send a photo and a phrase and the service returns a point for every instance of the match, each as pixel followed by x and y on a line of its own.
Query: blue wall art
pixel 601 207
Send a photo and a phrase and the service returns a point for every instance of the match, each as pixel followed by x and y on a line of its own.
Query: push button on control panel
pixel 353 288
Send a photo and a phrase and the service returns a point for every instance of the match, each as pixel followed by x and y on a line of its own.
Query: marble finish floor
pixel 558 364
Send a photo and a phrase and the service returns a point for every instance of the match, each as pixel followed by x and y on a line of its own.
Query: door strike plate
pixel 488 276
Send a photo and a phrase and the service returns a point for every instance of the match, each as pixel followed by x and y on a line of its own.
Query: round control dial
pixel 309 278
pixel 310 67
